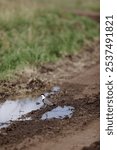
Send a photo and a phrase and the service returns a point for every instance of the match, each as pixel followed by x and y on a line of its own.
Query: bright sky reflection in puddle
pixel 58 113
pixel 13 110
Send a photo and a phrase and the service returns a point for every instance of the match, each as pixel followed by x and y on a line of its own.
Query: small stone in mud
pixel 37 103
pixel 4 133
pixel 56 89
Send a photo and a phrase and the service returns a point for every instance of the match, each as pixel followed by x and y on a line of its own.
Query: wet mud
pixel 78 79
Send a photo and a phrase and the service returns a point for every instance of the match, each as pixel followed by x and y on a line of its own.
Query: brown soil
pixel 92 15
pixel 78 77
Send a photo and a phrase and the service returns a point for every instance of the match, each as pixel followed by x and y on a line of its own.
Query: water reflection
pixel 13 110
pixel 58 113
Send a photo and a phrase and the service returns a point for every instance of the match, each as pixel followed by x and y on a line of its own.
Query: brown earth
pixel 78 77
pixel 89 14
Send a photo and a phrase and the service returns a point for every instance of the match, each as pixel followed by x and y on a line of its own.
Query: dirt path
pixel 74 141
pixel 78 77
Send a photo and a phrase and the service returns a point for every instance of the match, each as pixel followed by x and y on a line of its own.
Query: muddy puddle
pixel 58 113
pixel 14 110
pixel 17 110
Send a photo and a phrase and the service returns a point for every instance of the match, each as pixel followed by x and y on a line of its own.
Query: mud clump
pixel 22 88
pixel 94 146
pixel 35 83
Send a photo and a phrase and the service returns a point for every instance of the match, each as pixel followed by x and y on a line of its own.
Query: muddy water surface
pixel 17 110
pixel 59 113
pixel 14 110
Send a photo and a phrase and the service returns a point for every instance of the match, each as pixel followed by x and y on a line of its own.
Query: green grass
pixel 30 37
